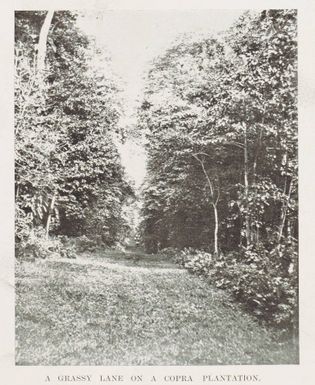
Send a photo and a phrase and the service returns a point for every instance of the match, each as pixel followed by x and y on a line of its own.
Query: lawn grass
pixel 133 309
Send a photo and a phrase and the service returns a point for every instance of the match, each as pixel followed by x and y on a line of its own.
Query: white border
pixel 302 374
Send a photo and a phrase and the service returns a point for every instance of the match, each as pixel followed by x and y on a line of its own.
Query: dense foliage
pixel 220 118
pixel 255 278
pixel 69 179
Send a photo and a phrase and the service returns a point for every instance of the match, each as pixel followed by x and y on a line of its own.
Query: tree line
pixel 68 176
pixel 220 119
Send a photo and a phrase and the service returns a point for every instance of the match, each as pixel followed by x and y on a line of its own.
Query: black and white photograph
pixel 156 187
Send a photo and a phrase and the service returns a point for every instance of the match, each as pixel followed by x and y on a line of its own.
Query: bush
pixel 36 245
pixel 198 262
pixel 23 225
pixel 85 244
pixel 170 252
pixel 266 282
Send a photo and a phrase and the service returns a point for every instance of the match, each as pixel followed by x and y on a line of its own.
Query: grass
pixel 133 309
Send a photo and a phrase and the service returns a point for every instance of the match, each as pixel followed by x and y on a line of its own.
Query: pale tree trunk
pixel 40 65
pixel 50 212
pixel 259 144
pixel 17 192
pixel 246 188
pixel 214 205
pixel 42 43
pixel 255 228
pixel 216 229
pixel 284 214
pixel 40 68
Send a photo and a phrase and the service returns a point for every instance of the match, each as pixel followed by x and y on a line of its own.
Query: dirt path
pixel 132 309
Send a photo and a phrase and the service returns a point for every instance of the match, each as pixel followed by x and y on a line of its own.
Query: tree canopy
pixel 220 118
pixel 69 177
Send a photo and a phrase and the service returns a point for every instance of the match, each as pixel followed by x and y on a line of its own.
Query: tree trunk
pixel 284 214
pixel 17 192
pixel 42 43
pixel 259 144
pixel 214 205
pixel 51 209
pixel 246 188
pixel 39 67
pixel 216 230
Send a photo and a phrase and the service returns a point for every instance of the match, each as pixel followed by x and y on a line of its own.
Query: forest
pixel 220 118
pixel 69 178
pixel 219 122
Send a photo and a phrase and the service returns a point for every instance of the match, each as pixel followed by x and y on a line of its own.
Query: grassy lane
pixel 132 309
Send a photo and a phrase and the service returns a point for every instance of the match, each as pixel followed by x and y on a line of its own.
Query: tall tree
pixel 67 163
pixel 227 106
pixel 42 41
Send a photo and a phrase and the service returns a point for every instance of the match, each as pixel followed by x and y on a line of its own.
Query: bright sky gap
pixel 133 39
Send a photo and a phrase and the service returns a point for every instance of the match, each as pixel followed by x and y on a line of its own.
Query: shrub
pixel 23 225
pixel 37 245
pixel 170 252
pixel 84 244
pixel 198 262
pixel 88 244
pixel 265 282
